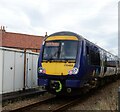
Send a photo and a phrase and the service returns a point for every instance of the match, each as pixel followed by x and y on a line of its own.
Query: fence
pixel 18 69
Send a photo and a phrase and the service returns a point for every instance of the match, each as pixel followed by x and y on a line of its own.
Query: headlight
pixel 73 71
pixel 41 70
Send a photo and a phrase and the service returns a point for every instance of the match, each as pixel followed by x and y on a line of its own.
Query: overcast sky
pixel 96 20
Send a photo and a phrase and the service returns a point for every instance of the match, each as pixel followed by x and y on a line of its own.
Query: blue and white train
pixel 69 62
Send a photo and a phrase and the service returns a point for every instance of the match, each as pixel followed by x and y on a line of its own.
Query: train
pixel 69 63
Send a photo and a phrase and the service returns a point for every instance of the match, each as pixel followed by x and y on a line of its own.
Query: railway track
pixel 29 107
pixel 74 101
pixel 58 104
pixel 67 105
pixel 54 104
pixel 47 104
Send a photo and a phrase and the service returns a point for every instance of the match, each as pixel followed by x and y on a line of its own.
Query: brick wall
pixel 0 38
pixel 17 40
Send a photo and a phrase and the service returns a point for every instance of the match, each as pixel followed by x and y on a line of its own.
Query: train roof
pixel 68 33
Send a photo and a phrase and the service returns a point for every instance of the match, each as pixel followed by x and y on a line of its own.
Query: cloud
pixel 94 19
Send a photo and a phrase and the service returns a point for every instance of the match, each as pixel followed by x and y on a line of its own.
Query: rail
pixel 63 107
pixel 29 107
pixel 55 104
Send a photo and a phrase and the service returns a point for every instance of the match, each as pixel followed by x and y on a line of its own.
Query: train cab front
pixel 58 64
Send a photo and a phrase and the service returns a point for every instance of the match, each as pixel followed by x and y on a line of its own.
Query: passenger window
pixel 94 57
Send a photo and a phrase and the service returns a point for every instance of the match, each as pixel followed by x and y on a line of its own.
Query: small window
pixel 87 50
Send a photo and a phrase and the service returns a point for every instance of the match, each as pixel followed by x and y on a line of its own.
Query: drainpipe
pixel 24 69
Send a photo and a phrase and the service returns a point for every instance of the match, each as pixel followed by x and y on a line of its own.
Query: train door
pixel 105 63
pixel 93 60
pixel 88 60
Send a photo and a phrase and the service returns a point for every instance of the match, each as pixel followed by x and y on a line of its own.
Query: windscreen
pixel 60 50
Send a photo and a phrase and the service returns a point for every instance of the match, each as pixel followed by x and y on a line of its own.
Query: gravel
pixel 106 98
